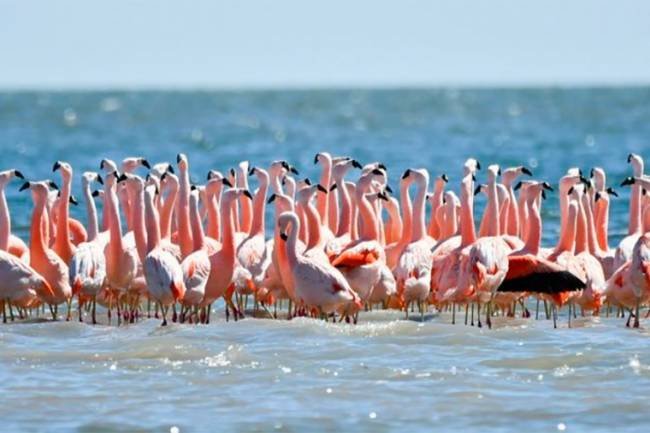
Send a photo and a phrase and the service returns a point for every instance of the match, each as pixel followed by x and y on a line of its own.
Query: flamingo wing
pixel 535 274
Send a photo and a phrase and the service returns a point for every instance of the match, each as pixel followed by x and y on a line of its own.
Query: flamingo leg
pixel 636 313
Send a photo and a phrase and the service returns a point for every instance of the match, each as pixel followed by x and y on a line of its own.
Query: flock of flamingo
pixel 164 243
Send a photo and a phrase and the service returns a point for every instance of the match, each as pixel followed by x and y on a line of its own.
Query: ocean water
pixel 386 373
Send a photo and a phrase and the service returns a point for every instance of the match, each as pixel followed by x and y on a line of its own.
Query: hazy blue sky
pixel 289 43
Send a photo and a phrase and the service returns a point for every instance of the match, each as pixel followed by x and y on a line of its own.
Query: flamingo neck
pixel 137 213
pixel 183 213
pixel 115 226
pixel 534 235
pixel 152 224
pixel 602 223
pixel 198 234
pixel 91 211
pixel 259 207
pixel 436 202
pixel 246 215
pixel 38 244
pixel 63 215
pixel 368 217
pixel 346 208
pixel 419 205
pixel 214 217
pixel 291 252
pixel 5 221
pixel 167 212
pixel 314 225
pixel 407 213
pixel 467 230
pixel 322 200
pixel 493 226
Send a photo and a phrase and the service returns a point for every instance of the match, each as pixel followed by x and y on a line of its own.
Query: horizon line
pixel 321 87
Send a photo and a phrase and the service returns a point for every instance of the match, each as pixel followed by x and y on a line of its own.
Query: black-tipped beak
pixel 333 187
pixel 163 176
pixel 293 170
pixel 73 200
pixel 284 236
pixel 95 193
pixel 477 190
pixel 499 172
pixel 473 177
pixel 207 177
pixel 444 177
pixel 388 188
pixel 478 165
pixel 628 181
pixel 170 169
pixel 53 185
pixel 226 182
pixel 271 199
pixel 316 159
pixel 526 171
pixel 596 196
pixel 56 166
pixel 406 173
pixel 232 172
pixel 584 180
pixel 307 181
pixel 178 158
pixel 18 174
pixel 101 164
pixel 192 187
pixel 382 196
pixel 382 166
pixel 570 191
pixel 543 195
pixel 518 186
pixel 100 180
pixel 145 163
pixel 629 158
pixel 356 164
pixel 377 171
pixel 122 178
pixel 547 186
pixel 251 171
pixel 611 191
pixel 248 194
pixel 321 188
pixel 24 186
pixel 591 173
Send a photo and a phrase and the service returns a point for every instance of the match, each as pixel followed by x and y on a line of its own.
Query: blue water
pixel 386 374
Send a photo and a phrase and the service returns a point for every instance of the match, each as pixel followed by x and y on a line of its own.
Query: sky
pixel 335 43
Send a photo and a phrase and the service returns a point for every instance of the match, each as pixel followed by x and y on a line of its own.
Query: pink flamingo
pixel 318 285
pixel 44 260
pixel 88 265
pixel 161 269
pixel 62 244
pixel 413 270
pixel 508 177
pixel 8 241
pixel 436 199
pixel 182 207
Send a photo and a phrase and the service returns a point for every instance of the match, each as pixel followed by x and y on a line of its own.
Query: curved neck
pixel 91 211
pixel 259 207
pixel 436 202
pixel 407 213
pixel 228 235
pixel 467 230
pixel 534 235
pixel 345 221
pixel 167 212
pixel 37 243
pixel 246 217
pixel 592 238
pixel 322 200
pixel 5 220
pixel 152 223
pixel 63 214
pixel 368 218
pixel 602 222
pixel 198 235
pixel 183 213
pixel 568 234
pixel 419 229
pixel 214 217
pixel 115 226
pixel 493 226
pixel 292 255
pixel 314 223
pixel 137 213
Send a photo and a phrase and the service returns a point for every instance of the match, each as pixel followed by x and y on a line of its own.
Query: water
pixel 384 374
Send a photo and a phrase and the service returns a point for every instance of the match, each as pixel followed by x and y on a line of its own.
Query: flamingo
pixel 62 244
pixel 361 260
pixel 182 206
pixel 436 200
pixel 43 259
pixel 508 177
pixel 413 270
pixel 162 270
pixel 87 269
pixel 317 284
pixel 8 241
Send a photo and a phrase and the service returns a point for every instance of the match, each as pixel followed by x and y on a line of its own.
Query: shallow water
pixel 384 374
